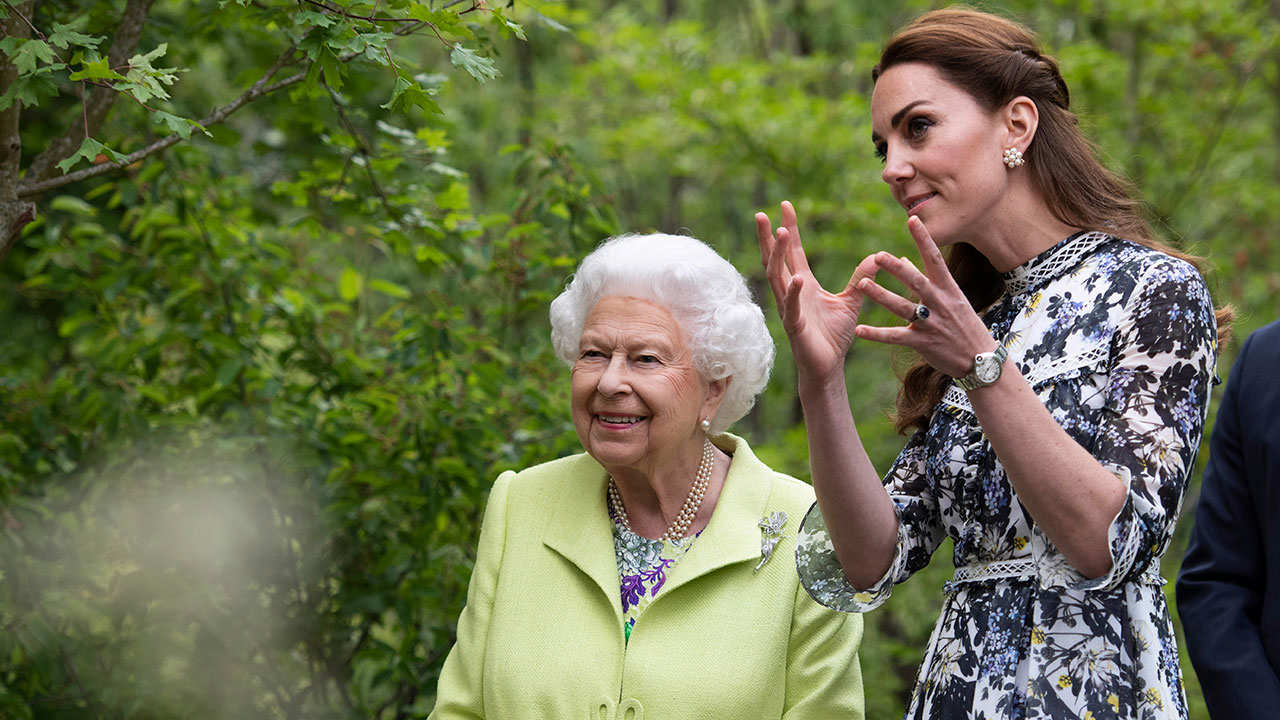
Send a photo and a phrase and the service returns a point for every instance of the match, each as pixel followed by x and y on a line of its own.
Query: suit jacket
pixel 1229 586
pixel 541 635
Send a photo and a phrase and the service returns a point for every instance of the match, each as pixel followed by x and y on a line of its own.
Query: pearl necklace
pixel 688 511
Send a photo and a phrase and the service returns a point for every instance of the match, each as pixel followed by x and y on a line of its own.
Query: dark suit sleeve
pixel 1220 587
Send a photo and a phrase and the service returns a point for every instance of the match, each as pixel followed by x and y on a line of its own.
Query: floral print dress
pixel 1118 341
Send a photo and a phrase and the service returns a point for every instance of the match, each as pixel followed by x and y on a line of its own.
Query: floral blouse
pixel 1118 341
pixel 643 564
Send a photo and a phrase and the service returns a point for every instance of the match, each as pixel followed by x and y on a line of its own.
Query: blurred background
pixel 270 332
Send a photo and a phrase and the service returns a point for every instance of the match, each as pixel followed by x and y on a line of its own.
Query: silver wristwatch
pixel 986 369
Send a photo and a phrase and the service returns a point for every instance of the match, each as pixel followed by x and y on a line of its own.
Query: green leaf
pixel 512 27
pixel 73 205
pixel 478 66
pixel 228 371
pixel 145 60
pixel 64 36
pixel 430 255
pixel 22 92
pixel 96 70
pixel 29 53
pixel 145 81
pixel 332 69
pixel 453 197
pixel 408 92
pixel 153 393
pixel 293 300
pixel 445 21
pixel 349 284
pixel 179 125
pixel 312 17
pixel 390 288
pixel 89 150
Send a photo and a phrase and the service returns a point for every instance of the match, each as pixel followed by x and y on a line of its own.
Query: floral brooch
pixel 770 533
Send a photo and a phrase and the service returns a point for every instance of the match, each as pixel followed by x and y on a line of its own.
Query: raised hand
pixel 819 324
pixel 952 333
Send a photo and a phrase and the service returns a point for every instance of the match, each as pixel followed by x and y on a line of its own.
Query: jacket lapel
pixel 733 535
pixel 579 528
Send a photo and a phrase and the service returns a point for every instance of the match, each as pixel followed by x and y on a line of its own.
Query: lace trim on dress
pixel 1026 569
pixel 1046 266
pixel 1090 358
pixel 1052 262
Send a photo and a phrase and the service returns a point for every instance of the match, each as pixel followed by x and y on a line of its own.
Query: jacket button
pixel 630 709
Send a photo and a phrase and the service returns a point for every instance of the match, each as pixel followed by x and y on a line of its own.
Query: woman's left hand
pixel 952 334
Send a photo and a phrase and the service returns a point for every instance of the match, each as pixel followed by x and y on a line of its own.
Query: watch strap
pixel 971 381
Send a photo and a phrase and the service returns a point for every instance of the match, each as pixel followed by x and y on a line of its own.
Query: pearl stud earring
pixel 1013 158
pixel 706 425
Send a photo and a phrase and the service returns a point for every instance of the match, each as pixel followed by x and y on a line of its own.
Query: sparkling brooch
pixel 770 533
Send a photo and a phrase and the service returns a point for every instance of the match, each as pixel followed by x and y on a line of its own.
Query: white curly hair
pixel 722 325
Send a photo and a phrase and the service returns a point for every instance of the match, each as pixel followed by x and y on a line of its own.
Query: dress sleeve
pixel 460 693
pixel 824 679
pixel 920 531
pixel 1156 399
pixel 1220 589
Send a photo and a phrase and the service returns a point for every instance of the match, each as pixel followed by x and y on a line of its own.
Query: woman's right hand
pixel 819 324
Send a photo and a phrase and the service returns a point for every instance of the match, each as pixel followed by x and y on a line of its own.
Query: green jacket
pixel 541 635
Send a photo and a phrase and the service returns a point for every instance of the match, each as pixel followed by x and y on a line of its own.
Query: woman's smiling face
pixel 637 398
pixel 942 151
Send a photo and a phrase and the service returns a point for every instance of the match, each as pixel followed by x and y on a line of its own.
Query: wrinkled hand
pixel 952 334
pixel 819 324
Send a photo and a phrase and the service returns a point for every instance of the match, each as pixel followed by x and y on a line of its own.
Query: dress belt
pixel 1025 569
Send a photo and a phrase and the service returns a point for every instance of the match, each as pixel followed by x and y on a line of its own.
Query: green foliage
pixel 89 150
pixel 480 68
pixel 249 418
pixel 276 463
pixel 255 387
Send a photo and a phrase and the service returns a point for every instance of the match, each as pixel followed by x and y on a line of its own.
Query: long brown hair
pixel 996 60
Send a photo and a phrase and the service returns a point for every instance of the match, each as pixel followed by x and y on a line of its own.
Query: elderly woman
pixel 650 576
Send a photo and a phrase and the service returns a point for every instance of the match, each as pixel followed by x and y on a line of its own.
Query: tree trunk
pixel 801 19
pixel 14 213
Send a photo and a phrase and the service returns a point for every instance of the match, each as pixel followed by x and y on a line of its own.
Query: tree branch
pixel 366 18
pixel 14 212
pixel 365 150
pixel 29 188
pixel 259 88
pixel 97 104
pixel 25 16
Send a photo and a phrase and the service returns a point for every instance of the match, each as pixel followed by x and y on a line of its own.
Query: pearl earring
pixel 1013 158
pixel 706 425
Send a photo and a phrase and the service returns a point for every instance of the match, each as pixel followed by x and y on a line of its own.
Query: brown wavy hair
pixel 996 60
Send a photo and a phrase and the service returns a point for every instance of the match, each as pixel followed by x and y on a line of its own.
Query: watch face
pixel 986 368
